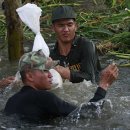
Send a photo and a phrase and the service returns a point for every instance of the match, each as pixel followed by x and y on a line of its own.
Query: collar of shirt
pixel 74 44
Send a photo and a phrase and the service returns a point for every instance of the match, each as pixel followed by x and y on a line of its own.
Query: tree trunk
pixel 14 30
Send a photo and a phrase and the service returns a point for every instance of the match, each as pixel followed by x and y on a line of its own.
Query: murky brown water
pixel 114 116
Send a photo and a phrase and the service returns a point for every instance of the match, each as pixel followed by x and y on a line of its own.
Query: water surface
pixel 114 116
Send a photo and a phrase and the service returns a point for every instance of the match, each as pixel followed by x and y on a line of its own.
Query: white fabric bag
pixel 30 15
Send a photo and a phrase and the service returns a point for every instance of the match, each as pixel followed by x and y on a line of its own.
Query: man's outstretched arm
pixel 107 77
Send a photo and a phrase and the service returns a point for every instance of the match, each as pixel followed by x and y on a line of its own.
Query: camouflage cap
pixel 63 12
pixel 36 60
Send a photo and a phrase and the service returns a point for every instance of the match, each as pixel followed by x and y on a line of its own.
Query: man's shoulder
pixel 83 41
pixel 46 93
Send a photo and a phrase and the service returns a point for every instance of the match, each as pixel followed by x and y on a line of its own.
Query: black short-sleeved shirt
pixel 34 104
pixel 82 60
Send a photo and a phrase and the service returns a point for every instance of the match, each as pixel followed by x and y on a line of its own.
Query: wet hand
pixel 63 71
pixel 6 81
pixel 108 76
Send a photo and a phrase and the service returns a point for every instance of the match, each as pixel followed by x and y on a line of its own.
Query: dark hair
pixel 25 70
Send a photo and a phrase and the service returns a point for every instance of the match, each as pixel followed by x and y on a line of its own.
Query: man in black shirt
pixel 77 55
pixel 35 102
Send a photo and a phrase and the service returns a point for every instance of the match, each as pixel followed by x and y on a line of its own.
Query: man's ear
pixel 29 76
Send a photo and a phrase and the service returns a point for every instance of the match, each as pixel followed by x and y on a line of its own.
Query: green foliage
pixel 103 25
pixel 28 34
pixel 128 4
pixel 123 38
pixel 112 24
pixel 2 25
pixel 117 4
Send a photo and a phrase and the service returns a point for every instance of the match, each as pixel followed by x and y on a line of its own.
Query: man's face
pixel 65 30
pixel 42 80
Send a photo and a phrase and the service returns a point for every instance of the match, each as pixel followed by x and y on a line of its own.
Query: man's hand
pixel 6 81
pixel 63 71
pixel 108 76
pixel 51 63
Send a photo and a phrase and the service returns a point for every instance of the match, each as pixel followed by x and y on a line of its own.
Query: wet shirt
pixel 82 60
pixel 37 105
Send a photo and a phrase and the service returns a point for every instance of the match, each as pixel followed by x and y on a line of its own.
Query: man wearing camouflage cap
pixel 78 55
pixel 34 103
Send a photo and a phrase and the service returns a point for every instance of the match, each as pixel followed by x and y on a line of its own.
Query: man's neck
pixel 30 84
pixel 64 48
